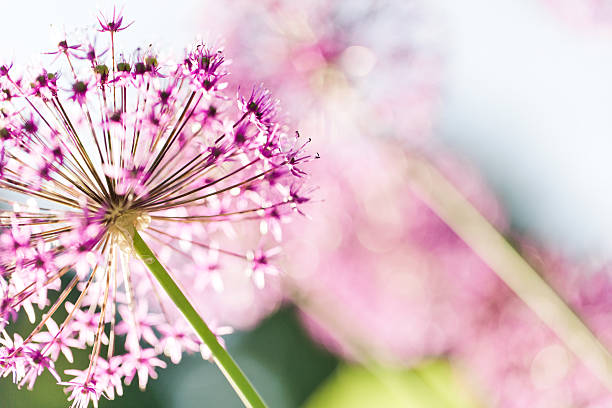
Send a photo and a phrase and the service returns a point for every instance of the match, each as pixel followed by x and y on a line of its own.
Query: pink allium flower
pixel 378 270
pixel 113 24
pixel 517 361
pixel 379 274
pixel 328 60
pixel 371 287
pixel 107 147
pixel 361 82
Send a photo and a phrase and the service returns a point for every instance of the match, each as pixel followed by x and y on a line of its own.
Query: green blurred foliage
pixel 431 385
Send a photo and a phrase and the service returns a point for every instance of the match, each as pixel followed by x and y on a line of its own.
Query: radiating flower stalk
pixel 118 166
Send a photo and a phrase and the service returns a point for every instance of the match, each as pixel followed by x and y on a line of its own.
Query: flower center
pixel 122 223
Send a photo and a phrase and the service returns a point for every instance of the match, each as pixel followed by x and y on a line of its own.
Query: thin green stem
pixel 226 364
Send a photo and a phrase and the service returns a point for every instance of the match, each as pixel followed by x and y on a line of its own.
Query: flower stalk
pixel 234 375
pixel 459 214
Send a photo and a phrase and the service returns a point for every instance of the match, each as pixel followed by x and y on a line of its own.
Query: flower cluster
pixel 333 67
pixel 413 290
pixel 380 275
pixel 341 60
pixel 384 261
pixel 518 361
pixel 116 144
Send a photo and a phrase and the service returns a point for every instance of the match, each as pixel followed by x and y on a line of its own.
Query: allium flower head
pixel 95 152
pixel 518 361
pixel 340 59
pixel 382 260
pixel 113 24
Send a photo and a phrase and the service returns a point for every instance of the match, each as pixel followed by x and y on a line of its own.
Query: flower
pixel 517 361
pixel 381 259
pixel 152 146
pixel 372 288
pixel 331 64
pixel 64 49
pixel 379 275
pixel 114 24
pixel 339 61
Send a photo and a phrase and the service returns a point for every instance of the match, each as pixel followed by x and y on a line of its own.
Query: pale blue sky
pixel 529 98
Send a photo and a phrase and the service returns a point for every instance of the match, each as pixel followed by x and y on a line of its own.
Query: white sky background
pixel 26 27
pixel 527 97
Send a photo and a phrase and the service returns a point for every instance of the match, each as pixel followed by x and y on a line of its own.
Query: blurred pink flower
pixel 380 276
pixel 377 273
pixel 374 62
pixel 517 361
pixel 380 266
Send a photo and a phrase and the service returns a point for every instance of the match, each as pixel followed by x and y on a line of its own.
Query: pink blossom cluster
pixel 99 144
pixel 344 68
pixel 381 277
pixel 518 361
pixel 375 64
pixel 386 277
pixel 377 274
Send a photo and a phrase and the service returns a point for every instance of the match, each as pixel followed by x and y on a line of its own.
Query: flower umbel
pixel 111 153
pixel 113 24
